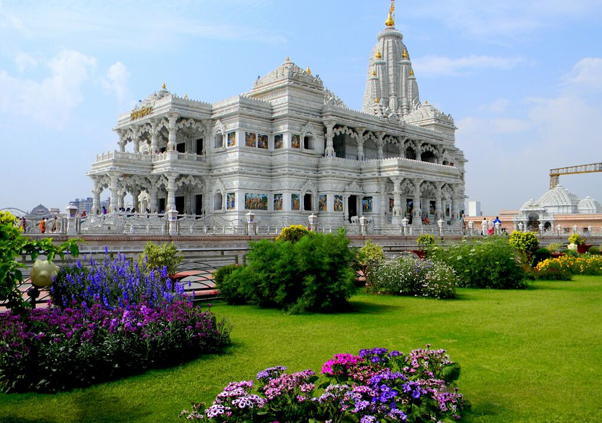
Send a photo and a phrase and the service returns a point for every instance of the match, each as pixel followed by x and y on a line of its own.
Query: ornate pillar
pixel 455 204
pixel 439 201
pixel 135 197
pixel 121 142
pixel 417 221
pixel 153 194
pixel 419 150
pixel 114 187
pixel 171 190
pixel 398 213
pixel 154 140
pixel 329 151
pixel 96 198
pixel 360 143
pixel 384 204
pixel 173 118
pixel 380 144
pixel 135 139
pixel 402 147
pixel 346 207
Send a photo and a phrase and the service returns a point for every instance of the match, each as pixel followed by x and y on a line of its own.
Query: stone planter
pixel 582 249
pixel 557 255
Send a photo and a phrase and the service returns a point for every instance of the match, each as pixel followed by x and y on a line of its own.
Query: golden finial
pixel 288 59
pixel 373 72
pixel 411 72
pixel 185 95
pixel 391 18
pixel 378 55
pixel 163 86
pixel 426 102
pixel 405 53
pixel 376 100
pixel 308 71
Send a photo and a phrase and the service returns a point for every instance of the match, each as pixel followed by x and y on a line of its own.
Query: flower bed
pixel 413 276
pixel 55 349
pixel 375 386
pixel 581 265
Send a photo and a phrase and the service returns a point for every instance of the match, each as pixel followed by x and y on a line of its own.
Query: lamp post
pixel 471 226
pixel 172 220
pixel 404 224
pixel 520 226
pixel 540 228
pixel 363 225
pixel 574 229
pixel 250 223
pixel 559 228
pixel 41 276
pixel 313 222
pixel 71 219
pixel 440 224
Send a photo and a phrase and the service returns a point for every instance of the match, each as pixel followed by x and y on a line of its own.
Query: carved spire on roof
pixel 390 22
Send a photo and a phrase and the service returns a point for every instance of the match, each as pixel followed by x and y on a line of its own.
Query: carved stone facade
pixel 289 148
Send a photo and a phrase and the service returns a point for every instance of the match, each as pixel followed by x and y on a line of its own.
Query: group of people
pixel 488 226
pixel 51 226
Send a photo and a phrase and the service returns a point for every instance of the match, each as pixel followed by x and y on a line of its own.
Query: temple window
pixel 200 146
pixel 428 156
pixel 308 142
pixel 181 147
pixel 307 202
pixel 219 140
pixel 217 201
pixel 410 153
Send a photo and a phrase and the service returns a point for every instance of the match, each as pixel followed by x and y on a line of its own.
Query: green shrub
pixel 412 276
pixel 526 243
pixel 593 250
pixel 554 247
pixel 292 233
pixel 369 257
pixel 488 263
pixel 540 255
pixel 313 274
pixel 155 257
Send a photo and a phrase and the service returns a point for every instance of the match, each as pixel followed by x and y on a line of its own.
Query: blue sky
pixel 522 79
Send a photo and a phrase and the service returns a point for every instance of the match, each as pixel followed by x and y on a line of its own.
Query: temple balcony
pixel 147 163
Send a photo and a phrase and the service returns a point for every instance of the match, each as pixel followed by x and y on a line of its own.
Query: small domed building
pixel 560 207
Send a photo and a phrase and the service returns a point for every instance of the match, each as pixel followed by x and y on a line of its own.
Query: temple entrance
pixel 307 202
pixel 198 204
pixel 180 204
pixel 161 205
pixel 409 210
pixel 352 206
pixel 533 223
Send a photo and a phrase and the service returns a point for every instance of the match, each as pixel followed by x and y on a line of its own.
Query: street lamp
pixel 41 276
pixel 313 220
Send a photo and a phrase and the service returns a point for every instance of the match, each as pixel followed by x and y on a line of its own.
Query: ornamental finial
pixel 288 59
pixel 164 86
pixel 308 71
pixel 426 102
pixel 376 100
pixel 405 53
pixel 378 55
pixel 373 72
pixel 411 72
pixel 391 18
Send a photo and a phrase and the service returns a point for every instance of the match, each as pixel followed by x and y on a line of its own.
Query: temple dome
pixel 589 206
pixel 559 200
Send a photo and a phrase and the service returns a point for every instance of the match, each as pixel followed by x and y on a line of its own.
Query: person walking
pixel 43 226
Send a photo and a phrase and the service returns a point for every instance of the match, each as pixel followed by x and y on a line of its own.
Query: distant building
pixel 474 208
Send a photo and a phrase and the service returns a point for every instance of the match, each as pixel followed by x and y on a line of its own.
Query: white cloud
pixel 25 62
pixel 586 74
pixel 50 101
pixel 441 65
pixel 117 81
pixel 498 106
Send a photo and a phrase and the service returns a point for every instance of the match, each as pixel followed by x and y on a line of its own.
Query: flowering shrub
pixel 584 264
pixel 114 283
pixel 412 276
pixel 368 258
pixel 375 386
pixel 576 239
pixel 425 241
pixel 54 349
pixel 489 263
pixel 292 233
pixel 552 270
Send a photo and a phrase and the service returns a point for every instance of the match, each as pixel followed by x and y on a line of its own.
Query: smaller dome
pixel 589 206
pixel 559 200
pixel 530 204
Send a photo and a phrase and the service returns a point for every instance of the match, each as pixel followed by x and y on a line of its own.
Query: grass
pixel 527 356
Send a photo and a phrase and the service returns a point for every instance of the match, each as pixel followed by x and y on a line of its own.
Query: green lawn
pixel 526 356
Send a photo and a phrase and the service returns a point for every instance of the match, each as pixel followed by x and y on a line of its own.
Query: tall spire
pixel 391 18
